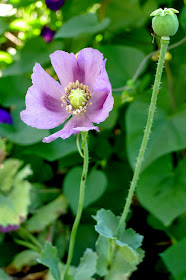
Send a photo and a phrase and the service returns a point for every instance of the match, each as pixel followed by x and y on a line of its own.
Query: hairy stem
pixel 80 205
pixel 164 45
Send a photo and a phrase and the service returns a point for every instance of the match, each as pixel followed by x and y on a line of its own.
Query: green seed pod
pixel 165 22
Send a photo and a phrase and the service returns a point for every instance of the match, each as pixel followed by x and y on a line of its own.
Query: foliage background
pixel 122 31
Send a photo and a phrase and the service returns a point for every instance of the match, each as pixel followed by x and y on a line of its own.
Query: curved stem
pixel 78 146
pixel 164 45
pixel 27 244
pixel 80 205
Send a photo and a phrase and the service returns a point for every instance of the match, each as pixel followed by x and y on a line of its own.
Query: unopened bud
pixel 165 22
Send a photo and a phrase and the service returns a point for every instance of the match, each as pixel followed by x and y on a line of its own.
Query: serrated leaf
pixel 129 241
pixel 128 246
pixel 49 258
pixel 62 270
pixel 107 223
pixel 22 174
pixel 130 238
pixel 175 259
pixel 14 205
pixel 103 250
pixel 47 214
pixel 87 266
pixel 25 258
pixel 165 198
pixel 168 133
pixel 95 187
pixel 121 267
pixel 7 172
pixel 82 24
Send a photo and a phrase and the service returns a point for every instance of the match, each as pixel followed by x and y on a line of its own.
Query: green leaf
pixel 4 275
pixel 35 50
pixel 182 18
pixel 19 132
pixel 122 63
pixel 85 238
pixel 129 13
pixel 165 198
pixel 10 85
pixel 129 242
pixel 41 195
pixel 47 214
pixel 3 25
pixel 175 259
pixel 130 238
pixel 72 7
pixel 82 24
pixel 125 263
pixel 110 122
pixel 49 258
pixel 87 266
pixel 107 223
pixel 176 230
pixel 168 133
pixel 128 251
pixel 14 205
pixel 7 173
pixel 53 151
pixel 24 258
pixel 95 187
pixel 103 250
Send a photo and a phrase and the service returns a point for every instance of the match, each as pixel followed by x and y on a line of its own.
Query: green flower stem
pixel 23 232
pixel 27 244
pixel 164 45
pixel 78 146
pixel 80 205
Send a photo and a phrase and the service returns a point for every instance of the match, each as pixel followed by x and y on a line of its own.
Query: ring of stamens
pixel 86 98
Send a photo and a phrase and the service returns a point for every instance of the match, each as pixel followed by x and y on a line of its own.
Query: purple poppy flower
pixel 85 94
pixel 5 117
pixel 54 5
pixel 47 34
pixel 9 228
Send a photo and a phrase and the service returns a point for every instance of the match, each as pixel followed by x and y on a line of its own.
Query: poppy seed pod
pixel 165 22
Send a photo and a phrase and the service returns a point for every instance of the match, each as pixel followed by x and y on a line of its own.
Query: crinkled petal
pixel 65 65
pixel 76 124
pixel 43 103
pixel 90 64
pixel 102 99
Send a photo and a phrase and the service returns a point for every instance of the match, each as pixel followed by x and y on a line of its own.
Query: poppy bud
pixel 165 22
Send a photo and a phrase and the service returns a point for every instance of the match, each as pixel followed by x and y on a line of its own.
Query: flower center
pixel 76 98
